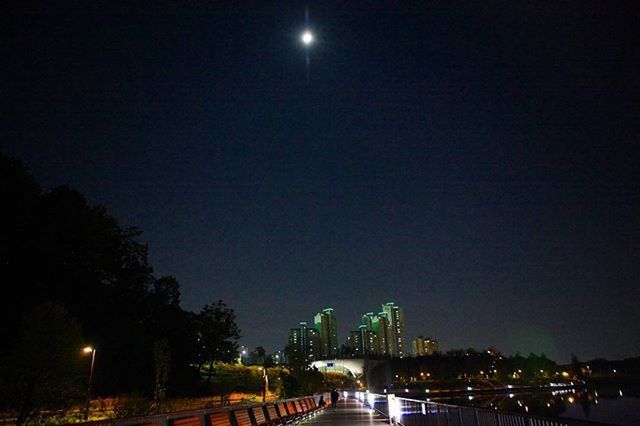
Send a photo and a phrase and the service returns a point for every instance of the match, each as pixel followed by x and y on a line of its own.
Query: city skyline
pixel 381 334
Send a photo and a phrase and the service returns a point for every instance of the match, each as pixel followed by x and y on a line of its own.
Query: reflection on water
pixel 609 405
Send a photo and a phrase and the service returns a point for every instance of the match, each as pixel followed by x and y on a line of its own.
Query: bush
pixel 43 370
pixel 132 406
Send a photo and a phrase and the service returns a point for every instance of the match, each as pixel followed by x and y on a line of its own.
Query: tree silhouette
pixel 55 246
pixel 44 368
pixel 218 334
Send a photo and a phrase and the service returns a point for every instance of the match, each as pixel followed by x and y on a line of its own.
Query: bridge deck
pixel 347 412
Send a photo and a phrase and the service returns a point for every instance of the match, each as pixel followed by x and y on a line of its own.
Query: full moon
pixel 307 38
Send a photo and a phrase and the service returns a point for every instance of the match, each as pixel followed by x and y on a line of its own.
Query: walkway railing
pixel 257 414
pixel 413 412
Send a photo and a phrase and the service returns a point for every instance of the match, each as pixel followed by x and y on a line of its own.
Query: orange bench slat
pixel 273 413
pixel 308 405
pixel 282 409
pixel 258 415
pixel 186 421
pixel 242 417
pixel 293 411
pixel 219 419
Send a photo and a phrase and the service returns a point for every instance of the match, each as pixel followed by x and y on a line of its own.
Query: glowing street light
pixel 89 350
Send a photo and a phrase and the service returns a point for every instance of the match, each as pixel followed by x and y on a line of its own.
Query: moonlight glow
pixel 307 38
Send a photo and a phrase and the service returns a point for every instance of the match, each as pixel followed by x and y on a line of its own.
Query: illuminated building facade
pixel 422 346
pixel 380 326
pixel 305 340
pixel 326 325
pixel 395 329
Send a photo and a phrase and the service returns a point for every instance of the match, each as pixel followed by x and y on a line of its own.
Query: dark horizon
pixel 477 165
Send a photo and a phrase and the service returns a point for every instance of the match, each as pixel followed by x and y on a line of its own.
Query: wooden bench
pixel 282 410
pixel 259 417
pixel 311 402
pixel 242 417
pixel 294 411
pixel 275 413
pixel 291 407
pixel 186 421
pixel 274 417
pixel 220 418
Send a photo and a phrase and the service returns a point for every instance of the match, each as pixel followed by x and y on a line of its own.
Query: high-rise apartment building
pixel 362 341
pixel 326 325
pixel 313 344
pixel 377 334
pixel 305 341
pixel 395 329
pixel 431 346
pixel 422 346
pixel 295 340
pixel 354 342
pixel 380 334
pixel 369 340
pixel 367 320
pixel 418 346
pixel 380 326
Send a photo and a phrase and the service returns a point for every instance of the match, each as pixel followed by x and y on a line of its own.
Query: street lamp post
pixel 92 351
pixel 265 384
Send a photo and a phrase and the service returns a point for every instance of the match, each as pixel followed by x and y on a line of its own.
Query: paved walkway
pixel 347 412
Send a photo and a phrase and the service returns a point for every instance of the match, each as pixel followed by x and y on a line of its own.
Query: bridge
pixel 357 367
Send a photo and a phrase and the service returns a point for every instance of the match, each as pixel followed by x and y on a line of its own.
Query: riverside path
pixel 348 412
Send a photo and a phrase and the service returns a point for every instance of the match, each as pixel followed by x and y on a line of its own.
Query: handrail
pixel 162 419
pixel 472 414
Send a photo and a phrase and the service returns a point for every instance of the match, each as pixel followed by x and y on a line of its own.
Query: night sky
pixel 475 163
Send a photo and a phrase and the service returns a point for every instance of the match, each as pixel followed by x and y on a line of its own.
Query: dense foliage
pixel 58 250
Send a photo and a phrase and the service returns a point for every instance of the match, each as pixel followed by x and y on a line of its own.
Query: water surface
pixel 608 405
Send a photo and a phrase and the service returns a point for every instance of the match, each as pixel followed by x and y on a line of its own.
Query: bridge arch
pixel 354 366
